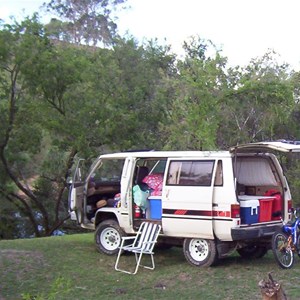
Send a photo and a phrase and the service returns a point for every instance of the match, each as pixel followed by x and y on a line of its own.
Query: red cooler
pixel 277 203
pixel 265 211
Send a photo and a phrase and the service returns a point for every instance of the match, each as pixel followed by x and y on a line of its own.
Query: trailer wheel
pixel 200 252
pixel 108 237
pixel 252 251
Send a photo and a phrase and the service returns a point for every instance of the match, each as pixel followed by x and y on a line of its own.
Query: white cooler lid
pixel 154 197
pixel 249 203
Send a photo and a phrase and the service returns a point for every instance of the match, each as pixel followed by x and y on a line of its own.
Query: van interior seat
pixel 141 173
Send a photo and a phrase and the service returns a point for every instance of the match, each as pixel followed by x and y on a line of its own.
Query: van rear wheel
pixel 252 251
pixel 200 252
pixel 108 237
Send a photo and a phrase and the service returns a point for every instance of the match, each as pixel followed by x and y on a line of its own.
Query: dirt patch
pixel 184 277
pixel 18 255
pixel 168 284
pixel 20 262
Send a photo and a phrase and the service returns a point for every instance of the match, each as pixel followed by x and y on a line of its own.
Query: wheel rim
pixel 283 253
pixel 285 257
pixel 110 238
pixel 199 249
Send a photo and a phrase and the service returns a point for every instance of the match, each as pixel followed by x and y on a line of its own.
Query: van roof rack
pixel 139 150
pixel 289 142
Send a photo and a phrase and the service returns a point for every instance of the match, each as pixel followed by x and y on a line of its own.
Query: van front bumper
pixel 252 232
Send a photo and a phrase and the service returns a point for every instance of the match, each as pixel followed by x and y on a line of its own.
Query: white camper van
pixel 209 202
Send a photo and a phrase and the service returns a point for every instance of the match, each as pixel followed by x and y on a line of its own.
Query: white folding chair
pixel 143 243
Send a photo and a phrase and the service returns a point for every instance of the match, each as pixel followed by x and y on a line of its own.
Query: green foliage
pixel 293 178
pixel 60 289
pixel 292 127
pixel 141 72
pixel 8 222
pixel 72 100
pixel 257 104
pixel 24 47
pixel 193 117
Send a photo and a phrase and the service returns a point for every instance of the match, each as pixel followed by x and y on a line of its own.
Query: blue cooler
pixel 155 207
pixel 249 210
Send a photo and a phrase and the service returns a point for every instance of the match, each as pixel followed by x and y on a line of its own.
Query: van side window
pixel 190 173
pixel 219 174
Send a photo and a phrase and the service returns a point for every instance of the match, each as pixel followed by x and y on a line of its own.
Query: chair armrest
pixel 128 237
pixel 131 237
pixel 149 242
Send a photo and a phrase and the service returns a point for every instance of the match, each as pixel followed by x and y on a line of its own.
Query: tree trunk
pixel 271 290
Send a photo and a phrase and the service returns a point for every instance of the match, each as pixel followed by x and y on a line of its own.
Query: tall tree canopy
pixel 195 106
pixel 60 100
pixel 258 104
pixel 83 21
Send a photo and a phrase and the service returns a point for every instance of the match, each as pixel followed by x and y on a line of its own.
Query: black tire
pixel 298 244
pixel 252 251
pixel 284 255
pixel 108 237
pixel 200 252
pixel 162 246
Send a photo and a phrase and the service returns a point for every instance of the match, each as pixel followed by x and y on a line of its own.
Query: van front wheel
pixel 108 237
pixel 200 252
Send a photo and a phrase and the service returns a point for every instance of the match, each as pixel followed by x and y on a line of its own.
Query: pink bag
pixel 154 181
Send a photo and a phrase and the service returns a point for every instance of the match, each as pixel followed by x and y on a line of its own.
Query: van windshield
pixel 109 171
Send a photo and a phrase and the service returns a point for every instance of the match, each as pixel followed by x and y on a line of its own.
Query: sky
pixel 243 29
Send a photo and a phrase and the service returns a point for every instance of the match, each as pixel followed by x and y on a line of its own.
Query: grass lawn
pixel 69 267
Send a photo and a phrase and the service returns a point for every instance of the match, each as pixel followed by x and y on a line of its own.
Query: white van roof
pixel 281 145
pixel 174 154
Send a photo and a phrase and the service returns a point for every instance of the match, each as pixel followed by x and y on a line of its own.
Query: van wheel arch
pixel 200 252
pixel 108 237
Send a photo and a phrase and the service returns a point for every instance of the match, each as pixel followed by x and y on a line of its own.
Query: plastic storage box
pixel 249 210
pixel 155 207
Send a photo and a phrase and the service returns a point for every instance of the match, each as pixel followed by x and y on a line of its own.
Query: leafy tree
pixel 72 100
pixel 258 102
pixel 137 107
pixel 121 110
pixel 292 126
pixel 83 21
pixel 24 47
pixel 193 117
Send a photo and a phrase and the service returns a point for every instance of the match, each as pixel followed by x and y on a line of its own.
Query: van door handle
pixel 215 205
pixel 167 193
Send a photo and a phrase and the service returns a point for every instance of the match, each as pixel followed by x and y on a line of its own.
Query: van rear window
pixel 190 173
